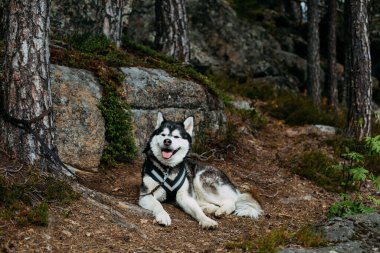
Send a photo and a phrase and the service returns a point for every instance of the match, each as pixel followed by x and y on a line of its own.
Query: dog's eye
pixel 163 135
pixel 176 137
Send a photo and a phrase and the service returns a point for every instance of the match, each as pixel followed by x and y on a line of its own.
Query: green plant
pixel 91 44
pixel 316 166
pixel 270 242
pixel 121 146
pixel 27 202
pixel 348 206
pixel 355 174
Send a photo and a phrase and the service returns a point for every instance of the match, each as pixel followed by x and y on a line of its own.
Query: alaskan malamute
pixel 168 174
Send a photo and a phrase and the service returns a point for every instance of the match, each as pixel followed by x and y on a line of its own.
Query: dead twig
pixel 270 196
pixel 8 172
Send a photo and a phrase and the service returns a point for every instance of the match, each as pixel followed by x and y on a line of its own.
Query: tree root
pixel 110 205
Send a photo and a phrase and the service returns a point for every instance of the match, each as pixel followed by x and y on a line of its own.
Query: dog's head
pixel 171 141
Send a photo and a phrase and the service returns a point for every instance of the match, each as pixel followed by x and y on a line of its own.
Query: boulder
pixel 355 234
pixel 220 41
pixel 79 123
pixel 148 91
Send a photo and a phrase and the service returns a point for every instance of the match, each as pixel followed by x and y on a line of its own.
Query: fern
pixel 373 144
pixel 358 173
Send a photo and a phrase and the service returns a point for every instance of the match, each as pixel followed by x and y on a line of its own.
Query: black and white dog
pixel 168 174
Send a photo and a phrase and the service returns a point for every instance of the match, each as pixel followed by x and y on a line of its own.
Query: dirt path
pixel 255 162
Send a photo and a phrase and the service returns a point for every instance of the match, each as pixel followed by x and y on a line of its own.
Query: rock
pixel 175 98
pixel 325 129
pixel 356 234
pixel 339 230
pixel 349 247
pixel 242 105
pixel 79 123
pixel 220 41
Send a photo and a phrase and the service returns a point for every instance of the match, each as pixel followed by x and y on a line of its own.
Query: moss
pixel 91 44
pixel 27 202
pixel 299 110
pixel 252 118
pixel 39 215
pixel 121 146
pixel 318 167
pixel 271 242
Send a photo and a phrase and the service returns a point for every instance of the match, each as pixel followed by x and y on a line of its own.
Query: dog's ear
pixel 189 125
pixel 160 119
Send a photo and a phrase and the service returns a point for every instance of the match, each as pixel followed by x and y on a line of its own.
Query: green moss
pixel 121 146
pixel 27 202
pixel 39 215
pixel 319 168
pixel 271 242
pixel 299 110
pixel 91 44
pixel 252 118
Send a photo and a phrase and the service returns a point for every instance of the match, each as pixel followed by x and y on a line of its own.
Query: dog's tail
pixel 247 206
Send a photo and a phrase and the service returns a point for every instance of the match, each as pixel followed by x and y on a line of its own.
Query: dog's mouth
pixel 167 153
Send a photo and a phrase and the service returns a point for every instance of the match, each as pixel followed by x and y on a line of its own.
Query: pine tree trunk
pixel 26 88
pixel 171 29
pixel 360 86
pixel 347 54
pixel 332 81
pixel 116 17
pixel 313 62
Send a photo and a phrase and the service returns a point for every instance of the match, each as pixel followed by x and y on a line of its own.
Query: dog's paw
pixel 163 218
pixel 208 223
pixel 224 210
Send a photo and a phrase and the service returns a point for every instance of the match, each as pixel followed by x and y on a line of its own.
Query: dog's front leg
pixel 191 206
pixel 151 203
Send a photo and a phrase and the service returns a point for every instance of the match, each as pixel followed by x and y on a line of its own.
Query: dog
pixel 169 175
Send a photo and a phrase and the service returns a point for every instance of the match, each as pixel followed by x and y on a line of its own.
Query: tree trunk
pixel 347 52
pixel 313 62
pixel 116 17
pixel 360 85
pixel 332 81
pixel 171 29
pixel 26 88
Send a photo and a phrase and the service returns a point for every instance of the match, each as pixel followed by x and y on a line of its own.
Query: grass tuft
pixel 271 242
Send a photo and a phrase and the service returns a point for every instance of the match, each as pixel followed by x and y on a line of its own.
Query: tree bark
pixel 332 79
pixel 360 83
pixel 26 92
pixel 347 52
pixel 116 17
pixel 313 61
pixel 171 29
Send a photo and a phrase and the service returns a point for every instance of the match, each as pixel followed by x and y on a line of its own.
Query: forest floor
pixel 258 162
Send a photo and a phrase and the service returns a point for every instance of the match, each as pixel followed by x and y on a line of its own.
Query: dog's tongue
pixel 167 154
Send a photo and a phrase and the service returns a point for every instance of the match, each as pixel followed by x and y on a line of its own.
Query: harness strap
pixel 170 186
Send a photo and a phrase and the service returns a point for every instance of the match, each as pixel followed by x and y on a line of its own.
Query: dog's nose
pixel 167 142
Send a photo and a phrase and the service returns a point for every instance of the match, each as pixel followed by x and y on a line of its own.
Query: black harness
pixel 170 186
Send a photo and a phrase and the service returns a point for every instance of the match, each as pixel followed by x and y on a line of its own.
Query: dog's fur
pixel 205 188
